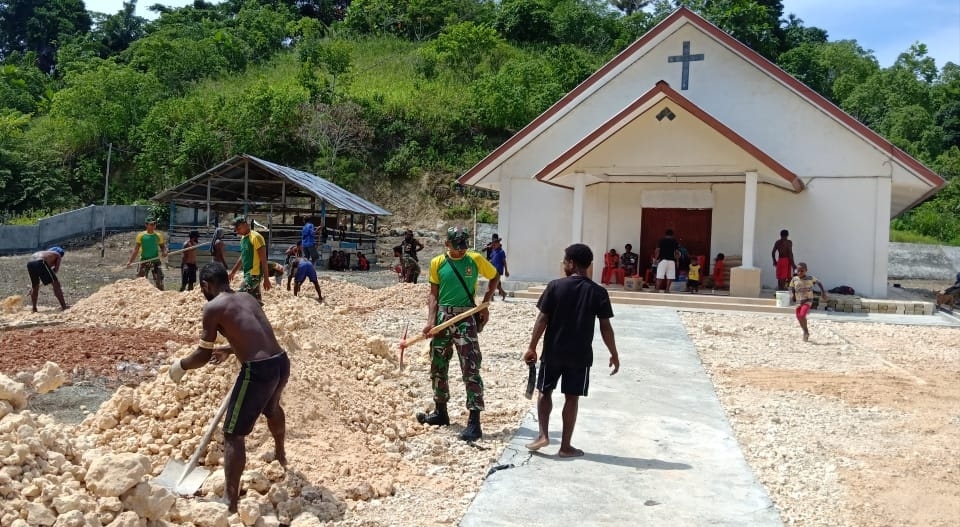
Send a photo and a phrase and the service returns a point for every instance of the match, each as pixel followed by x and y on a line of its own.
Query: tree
pixel 524 21
pixel 117 31
pixel 629 7
pixel 332 131
pixel 39 25
pixel 468 48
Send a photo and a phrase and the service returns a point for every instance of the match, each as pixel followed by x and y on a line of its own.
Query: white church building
pixel 689 129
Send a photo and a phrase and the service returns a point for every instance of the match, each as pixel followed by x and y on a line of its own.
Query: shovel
pixel 405 342
pixel 185 480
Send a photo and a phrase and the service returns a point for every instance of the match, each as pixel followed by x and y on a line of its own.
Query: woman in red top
pixel 611 268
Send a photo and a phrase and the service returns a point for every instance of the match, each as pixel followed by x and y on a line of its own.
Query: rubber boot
pixel 472 432
pixel 436 418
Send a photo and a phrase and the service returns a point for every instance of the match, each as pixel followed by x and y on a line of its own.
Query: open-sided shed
pixel 278 197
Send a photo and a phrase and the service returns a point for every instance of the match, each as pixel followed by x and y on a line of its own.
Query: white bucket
pixel 783 298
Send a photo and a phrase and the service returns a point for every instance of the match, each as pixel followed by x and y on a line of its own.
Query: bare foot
pixel 571 452
pixel 806 337
pixel 538 444
pixel 282 459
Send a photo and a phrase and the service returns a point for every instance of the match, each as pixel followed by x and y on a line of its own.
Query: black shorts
pixel 257 391
pixel 575 381
pixel 40 272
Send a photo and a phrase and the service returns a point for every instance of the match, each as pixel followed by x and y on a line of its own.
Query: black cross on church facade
pixel 686 59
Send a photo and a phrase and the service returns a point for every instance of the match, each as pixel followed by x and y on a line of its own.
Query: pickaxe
pixel 438 328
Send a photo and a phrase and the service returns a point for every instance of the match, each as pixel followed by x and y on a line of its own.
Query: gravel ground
pixel 860 426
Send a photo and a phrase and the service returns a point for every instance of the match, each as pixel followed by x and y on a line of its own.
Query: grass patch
pixel 912 237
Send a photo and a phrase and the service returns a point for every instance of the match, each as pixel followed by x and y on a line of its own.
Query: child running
pixel 801 289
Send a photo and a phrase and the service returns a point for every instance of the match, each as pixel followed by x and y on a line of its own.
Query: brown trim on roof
pixel 745 52
pixel 573 94
pixel 662 87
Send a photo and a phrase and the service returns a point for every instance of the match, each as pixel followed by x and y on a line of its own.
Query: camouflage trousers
pixel 251 284
pixel 463 335
pixel 155 268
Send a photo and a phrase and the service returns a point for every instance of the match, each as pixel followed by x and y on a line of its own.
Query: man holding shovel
pixel 453 284
pixel 150 247
pixel 264 370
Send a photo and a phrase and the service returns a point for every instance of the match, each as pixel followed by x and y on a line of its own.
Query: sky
pixel 888 27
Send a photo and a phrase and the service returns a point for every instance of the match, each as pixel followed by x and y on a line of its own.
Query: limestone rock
pixel 253 479
pixel 210 514
pixel 5 408
pixel 39 514
pixel 128 519
pixel 65 503
pixel 249 511
pixel 214 484
pixel 114 474
pixel 72 518
pixel 49 378
pixel 268 520
pixel 305 519
pixel 149 501
pixel 12 391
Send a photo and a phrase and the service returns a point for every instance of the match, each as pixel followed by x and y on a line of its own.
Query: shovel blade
pixel 181 479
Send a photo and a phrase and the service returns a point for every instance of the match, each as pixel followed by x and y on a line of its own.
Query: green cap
pixel 459 237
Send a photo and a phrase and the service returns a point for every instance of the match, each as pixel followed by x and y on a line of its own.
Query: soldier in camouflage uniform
pixel 451 295
pixel 409 248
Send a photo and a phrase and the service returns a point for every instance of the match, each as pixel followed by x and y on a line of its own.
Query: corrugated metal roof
pixel 228 185
pixel 332 193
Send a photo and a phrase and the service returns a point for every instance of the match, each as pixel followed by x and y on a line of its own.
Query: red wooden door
pixel 692 226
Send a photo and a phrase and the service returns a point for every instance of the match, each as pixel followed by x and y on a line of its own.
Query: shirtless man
pixel 782 255
pixel 43 266
pixel 264 370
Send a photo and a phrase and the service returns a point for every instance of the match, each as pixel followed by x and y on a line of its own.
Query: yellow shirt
pixel 694 272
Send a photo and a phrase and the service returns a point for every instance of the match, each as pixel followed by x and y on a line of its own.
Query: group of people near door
pixel 669 260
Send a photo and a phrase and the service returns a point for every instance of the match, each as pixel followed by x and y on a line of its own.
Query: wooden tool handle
pixel 178 251
pixel 444 325
pixel 206 437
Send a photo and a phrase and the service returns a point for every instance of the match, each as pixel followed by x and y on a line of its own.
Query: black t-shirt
pixel 573 305
pixel 667 246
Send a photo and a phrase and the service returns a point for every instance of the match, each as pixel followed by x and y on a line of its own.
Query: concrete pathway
pixel 659 450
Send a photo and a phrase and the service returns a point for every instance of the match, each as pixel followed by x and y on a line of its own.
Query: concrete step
pixel 681 300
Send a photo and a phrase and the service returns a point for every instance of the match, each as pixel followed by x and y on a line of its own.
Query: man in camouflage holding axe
pixel 453 285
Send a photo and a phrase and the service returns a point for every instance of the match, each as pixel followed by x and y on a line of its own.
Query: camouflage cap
pixel 238 220
pixel 459 237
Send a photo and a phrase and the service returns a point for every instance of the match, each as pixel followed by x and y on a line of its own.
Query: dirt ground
pixel 859 427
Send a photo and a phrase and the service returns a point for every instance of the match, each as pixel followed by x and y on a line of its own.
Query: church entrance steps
pixel 765 304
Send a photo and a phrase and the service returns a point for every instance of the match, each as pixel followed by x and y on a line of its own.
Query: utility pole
pixel 106 194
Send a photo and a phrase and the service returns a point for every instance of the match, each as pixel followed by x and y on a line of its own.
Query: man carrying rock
pixel 43 267
pixel 264 370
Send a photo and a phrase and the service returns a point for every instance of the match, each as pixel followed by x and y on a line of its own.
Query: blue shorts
pixel 304 271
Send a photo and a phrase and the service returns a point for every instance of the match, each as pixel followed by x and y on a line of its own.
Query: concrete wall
pixel 61 227
pixel 923 262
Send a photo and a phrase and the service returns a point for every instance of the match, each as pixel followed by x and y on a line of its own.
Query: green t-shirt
pixel 471 267
pixel 149 244
pixel 250 253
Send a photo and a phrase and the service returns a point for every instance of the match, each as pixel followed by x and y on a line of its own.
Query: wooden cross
pixel 686 59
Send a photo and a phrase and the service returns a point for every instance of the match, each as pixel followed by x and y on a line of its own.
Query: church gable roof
pixel 930 180
pixel 721 163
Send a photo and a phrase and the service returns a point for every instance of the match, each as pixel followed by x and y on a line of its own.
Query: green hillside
pixel 376 94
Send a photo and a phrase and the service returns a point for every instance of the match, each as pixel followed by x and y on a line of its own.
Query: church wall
pixel 539 228
pixel 833 229
pixel 726 234
pixel 624 216
pixel 596 212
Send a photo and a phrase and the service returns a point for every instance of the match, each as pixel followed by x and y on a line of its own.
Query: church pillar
pixel 749 218
pixel 745 280
pixel 881 241
pixel 579 197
